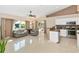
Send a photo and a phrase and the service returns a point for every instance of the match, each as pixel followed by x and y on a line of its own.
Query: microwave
pixel 71 23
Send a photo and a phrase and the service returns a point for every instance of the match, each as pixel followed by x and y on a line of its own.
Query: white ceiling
pixel 23 10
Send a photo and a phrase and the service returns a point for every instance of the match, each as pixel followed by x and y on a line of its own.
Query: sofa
pixel 20 33
pixel 34 32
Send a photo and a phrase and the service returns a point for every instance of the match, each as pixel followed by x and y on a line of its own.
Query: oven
pixel 71 29
pixel 71 32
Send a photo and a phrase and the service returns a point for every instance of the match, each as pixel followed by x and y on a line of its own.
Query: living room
pixel 40 29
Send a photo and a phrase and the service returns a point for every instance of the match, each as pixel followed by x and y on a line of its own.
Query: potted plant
pixel 3 43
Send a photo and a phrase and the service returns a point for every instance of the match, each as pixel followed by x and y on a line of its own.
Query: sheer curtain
pixel 6 26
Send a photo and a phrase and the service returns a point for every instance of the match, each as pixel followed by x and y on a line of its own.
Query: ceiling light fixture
pixel 31 15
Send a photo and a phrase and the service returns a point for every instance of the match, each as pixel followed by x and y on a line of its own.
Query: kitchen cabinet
pixel 63 32
pixel 77 22
pixel 54 36
pixel 63 21
pixel 77 38
pixel 60 22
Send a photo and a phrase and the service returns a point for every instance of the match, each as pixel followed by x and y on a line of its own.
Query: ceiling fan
pixel 31 15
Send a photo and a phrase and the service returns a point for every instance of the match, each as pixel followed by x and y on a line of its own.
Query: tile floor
pixel 40 44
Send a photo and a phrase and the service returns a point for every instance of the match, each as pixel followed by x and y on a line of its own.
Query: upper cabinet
pixel 63 21
pixel 60 22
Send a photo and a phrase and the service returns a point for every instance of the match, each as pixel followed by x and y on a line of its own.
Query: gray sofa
pixel 20 33
pixel 34 32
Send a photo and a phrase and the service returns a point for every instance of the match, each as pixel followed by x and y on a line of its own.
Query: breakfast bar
pixel 54 36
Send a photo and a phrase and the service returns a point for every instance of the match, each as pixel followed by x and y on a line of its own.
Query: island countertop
pixel 54 36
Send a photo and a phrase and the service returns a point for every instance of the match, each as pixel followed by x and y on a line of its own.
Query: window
pixel 19 25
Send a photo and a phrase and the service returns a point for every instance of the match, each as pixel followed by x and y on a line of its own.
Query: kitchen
pixel 66 25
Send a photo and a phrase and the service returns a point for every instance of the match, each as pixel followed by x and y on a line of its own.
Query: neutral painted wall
pixel 50 22
pixel 11 17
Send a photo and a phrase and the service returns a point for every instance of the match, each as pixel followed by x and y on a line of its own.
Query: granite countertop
pixel 54 30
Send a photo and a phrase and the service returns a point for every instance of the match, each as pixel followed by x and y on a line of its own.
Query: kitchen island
pixel 54 36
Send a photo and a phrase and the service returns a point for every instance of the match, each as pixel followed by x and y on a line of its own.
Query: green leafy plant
pixel 3 43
